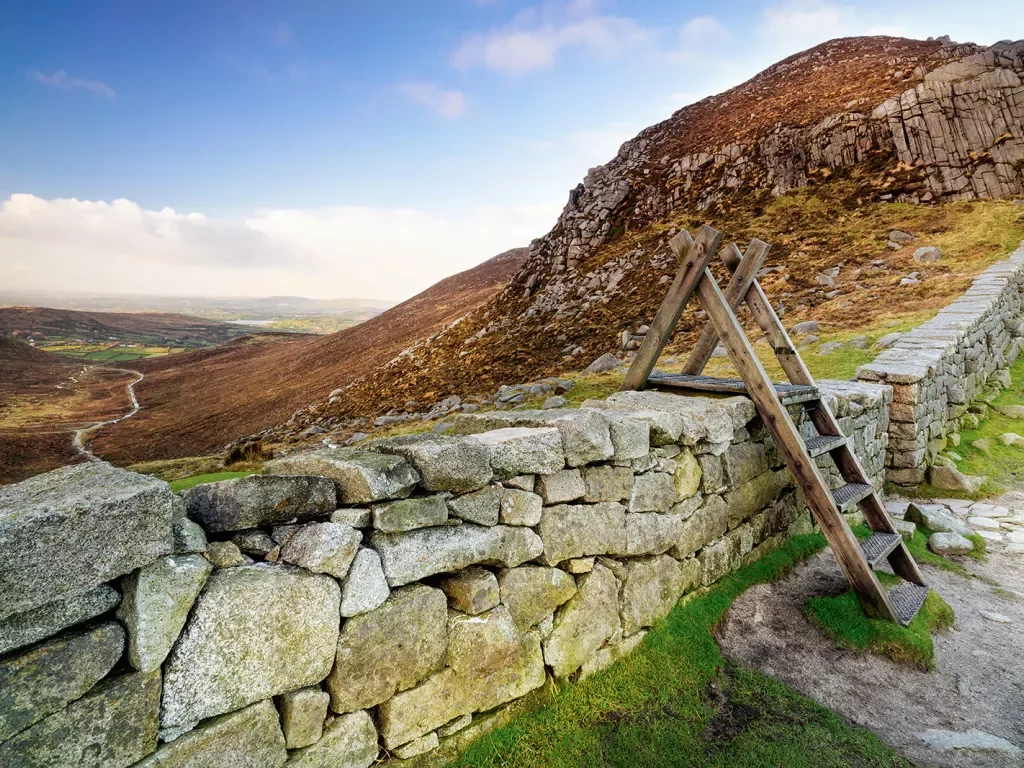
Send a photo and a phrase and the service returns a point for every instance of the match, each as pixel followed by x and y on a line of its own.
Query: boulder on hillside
pixel 928 254
pixel 65 532
pixel 606 362
pixel 947 543
pixel 951 479
pixel 808 326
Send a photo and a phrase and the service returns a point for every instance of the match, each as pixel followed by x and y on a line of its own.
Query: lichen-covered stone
pixel 520 507
pixel 423 744
pixel 189 537
pixel 935 518
pixel 248 738
pixel 361 477
pixel 255 632
pixel 687 477
pixel 652 492
pixel 532 592
pixel 444 463
pixel 350 741
pixel 226 554
pixel 389 649
pixel 584 623
pixel 45 678
pixel 26 628
pixel 743 462
pixel 708 523
pixel 518 451
pixel 365 587
pixel 652 534
pixel 560 487
pixel 480 507
pixel 650 589
pixel 352 517
pixel 471 591
pixel 414 555
pixel 571 531
pixel 114 724
pixel 448 695
pixel 255 543
pixel 584 434
pixel 754 495
pixel 323 548
pixel 156 602
pixel 948 543
pixel 606 483
pixel 409 514
pixel 302 716
pixel 64 532
pixel 478 645
pixel 631 438
pixel 951 479
pixel 249 502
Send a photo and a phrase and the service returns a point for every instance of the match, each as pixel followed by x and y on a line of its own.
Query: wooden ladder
pixel 858 558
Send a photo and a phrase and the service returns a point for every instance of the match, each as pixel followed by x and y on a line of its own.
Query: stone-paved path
pixel 973 699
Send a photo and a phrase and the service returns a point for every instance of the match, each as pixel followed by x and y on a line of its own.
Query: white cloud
pixel 536 37
pixel 62 81
pixel 702 32
pixel 449 103
pixel 798 24
pixel 119 246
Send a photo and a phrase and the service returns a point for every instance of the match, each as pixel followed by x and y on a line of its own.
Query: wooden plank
pixel 787 439
pixel 694 255
pixel 743 274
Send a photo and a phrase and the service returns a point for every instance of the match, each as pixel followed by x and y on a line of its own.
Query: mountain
pixel 196 402
pixel 156 328
pixel 820 155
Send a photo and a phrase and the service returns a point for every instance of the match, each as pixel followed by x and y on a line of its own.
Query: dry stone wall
pixel 393 600
pixel 940 370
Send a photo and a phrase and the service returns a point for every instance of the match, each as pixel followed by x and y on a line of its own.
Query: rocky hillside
pixel 807 155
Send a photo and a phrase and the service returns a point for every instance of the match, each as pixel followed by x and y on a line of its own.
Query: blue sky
pixel 343 148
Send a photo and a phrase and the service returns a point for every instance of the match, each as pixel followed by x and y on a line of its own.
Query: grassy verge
pixel 1002 464
pixel 674 701
pixel 843 619
pixel 190 482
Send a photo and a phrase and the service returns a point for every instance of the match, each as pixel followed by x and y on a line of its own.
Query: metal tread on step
pixel 907 599
pixel 820 444
pixel 850 494
pixel 878 545
pixel 788 393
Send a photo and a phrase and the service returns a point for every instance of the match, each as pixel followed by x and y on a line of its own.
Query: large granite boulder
pixel 67 531
pixel 157 599
pixel 389 649
pixel 533 592
pixel 414 555
pixel 577 530
pixel 650 589
pixel 445 463
pixel 350 741
pixel 47 620
pixel 47 677
pixel 584 623
pixel 248 738
pixel 409 514
pixel 249 502
pixel 255 632
pixel 449 694
pixel 361 476
pixel 114 725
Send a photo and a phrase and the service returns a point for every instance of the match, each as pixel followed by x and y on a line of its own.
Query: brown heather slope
pixel 820 155
pixel 45 322
pixel 196 402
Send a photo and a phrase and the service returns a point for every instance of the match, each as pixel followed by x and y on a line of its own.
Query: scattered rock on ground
pixel 949 544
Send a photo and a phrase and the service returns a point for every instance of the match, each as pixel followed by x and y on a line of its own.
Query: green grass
pixel 675 702
pixel 190 482
pixel 843 619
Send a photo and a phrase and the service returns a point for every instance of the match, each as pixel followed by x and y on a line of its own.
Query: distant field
pixel 116 353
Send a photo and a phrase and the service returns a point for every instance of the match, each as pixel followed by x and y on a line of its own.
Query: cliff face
pixel 923 122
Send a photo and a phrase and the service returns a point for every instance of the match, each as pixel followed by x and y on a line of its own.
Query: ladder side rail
pixel 747 266
pixel 694 255
pixel 775 416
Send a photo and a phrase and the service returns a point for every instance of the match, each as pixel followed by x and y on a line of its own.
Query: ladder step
pixel 851 493
pixel 907 599
pixel 788 393
pixel 878 546
pixel 821 444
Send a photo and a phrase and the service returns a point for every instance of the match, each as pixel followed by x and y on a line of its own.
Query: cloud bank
pixel 341 251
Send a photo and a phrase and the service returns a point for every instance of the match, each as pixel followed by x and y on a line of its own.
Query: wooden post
pixel 694 256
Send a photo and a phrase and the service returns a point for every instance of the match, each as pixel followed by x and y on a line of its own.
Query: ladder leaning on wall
pixel 858 558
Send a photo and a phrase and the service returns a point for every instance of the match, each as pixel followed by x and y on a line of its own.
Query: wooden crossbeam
pixel 693 255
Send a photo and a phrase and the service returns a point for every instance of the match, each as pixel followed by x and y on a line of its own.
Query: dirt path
pixel 978 683
pixel 81 435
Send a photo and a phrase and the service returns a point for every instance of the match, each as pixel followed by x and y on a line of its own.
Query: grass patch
pixel 845 622
pixel 674 701
pixel 1002 464
pixel 190 482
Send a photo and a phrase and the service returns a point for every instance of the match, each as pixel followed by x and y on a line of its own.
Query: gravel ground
pixel 975 694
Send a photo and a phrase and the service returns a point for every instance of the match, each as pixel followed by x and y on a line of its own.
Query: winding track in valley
pixel 79 442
